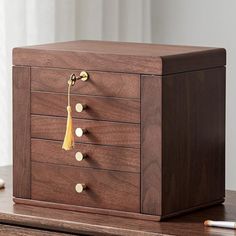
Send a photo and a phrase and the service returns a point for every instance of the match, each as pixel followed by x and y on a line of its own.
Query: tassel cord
pixel 69 89
pixel 68 143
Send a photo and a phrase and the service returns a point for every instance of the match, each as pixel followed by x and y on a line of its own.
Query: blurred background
pixel 188 22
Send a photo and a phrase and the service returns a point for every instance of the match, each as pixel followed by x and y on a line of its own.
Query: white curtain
pixel 122 20
pixel 25 22
pixel 28 22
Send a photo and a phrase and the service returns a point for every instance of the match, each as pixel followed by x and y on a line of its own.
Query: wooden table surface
pixel 29 220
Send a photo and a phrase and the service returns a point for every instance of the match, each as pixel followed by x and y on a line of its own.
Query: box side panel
pixel 193 139
pixel 151 145
pixel 21 132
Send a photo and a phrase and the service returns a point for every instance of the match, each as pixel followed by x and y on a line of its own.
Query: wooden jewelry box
pixel 154 117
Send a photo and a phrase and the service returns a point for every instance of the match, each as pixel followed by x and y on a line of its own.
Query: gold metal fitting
pixel 80 107
pixel 79 156
pixel 79 188
pixel 82 76
pixel 80 132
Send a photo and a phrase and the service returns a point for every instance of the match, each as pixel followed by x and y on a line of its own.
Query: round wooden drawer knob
pixel 80 132
pixel 79 188
pixel 80 156
pixel 80 107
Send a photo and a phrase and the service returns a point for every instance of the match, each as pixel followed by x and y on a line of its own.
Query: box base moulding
pixel 111 212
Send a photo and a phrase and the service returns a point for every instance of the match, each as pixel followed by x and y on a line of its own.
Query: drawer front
pixel 98 108
pixel 105 189
pixel 98 132
pixel 94 156
pixel 99 83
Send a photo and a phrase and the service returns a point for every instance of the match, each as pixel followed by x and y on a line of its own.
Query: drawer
pixel 98 132
pixel 98 108
pixel 94 156
pixel 105 189
pixel 99 83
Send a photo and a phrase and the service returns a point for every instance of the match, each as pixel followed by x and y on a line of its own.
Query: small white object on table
pixel 2 184
pixel 222 224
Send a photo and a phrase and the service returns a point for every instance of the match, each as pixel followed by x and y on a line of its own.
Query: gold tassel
pixel 68 143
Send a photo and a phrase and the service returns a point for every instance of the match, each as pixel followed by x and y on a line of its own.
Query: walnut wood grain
pixel 97 108
pixel 98 132
pixel 91 210
pixel 105 189
pixel 21 131
pixel 11 230
pixel 193 144
pixel 151 145
pixel 95 224
pixel 97 156
pixel 99 83
pixel 120 57
pixel 174 116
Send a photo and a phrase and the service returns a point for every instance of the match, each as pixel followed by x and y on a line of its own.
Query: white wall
pixel 191 22
pixel 27 22
pixel 209 23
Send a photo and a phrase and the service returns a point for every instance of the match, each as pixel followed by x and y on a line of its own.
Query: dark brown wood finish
pixel 99 83
pixel 11 230
pixel 155 116
pixel 98 108
pixel 21 131
pixel 120 57
pixel 97 156
pixel 193 155
pixel 105 189
pixel 98 132
pixel 77 208
pixel 151 145
pixel 95 224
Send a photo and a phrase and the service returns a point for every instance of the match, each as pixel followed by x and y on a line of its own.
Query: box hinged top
pixel 120 57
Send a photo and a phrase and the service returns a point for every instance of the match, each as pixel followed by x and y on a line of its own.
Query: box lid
pixel 120 57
